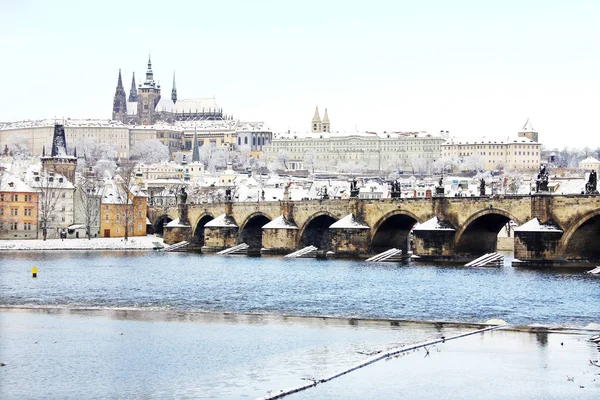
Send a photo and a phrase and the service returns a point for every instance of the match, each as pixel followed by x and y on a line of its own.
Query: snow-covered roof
pixel 589 160
pixel 49 123
pixel 176 223
pixel 357 135
pixel 192 105
pixel 349 222
pixel 280 223
pixel 10 183
pixel 483 140
pixel 528 127
pixel 222 221
pixel 434 224
pixel 536 226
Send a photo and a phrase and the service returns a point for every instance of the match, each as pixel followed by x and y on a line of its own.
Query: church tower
pixel 148 97
pixel 119 102
pixel 133 96
pixel 528 131
pixel 174 90
pixel 59 161
pixel 316 126
pixel 326 125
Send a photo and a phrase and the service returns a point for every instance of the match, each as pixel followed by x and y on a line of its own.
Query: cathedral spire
pixel 133 94
pixel 149 73
pixel 195 150
pixel 174 90
pixel 119 101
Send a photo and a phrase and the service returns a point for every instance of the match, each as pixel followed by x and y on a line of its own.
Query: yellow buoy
pixel 34 272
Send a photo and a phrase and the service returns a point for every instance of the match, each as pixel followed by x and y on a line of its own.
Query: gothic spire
pixel 133 94
pixel 120 100
pixel 174 90
pixel 317 117
pixel 326 125
pixel 195 150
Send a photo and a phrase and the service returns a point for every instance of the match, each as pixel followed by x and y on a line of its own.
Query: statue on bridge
pixel 482 187
pixel 354 188
pixel 182 197
pixel 227 194
pixel 541 182
pixel 590 186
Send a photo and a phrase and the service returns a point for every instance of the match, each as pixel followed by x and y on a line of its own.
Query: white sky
pixel 471 67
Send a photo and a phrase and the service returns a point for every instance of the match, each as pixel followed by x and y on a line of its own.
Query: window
pixel 118 217
pixel 139 214
pixel 14 211
pixel 27 211
pixel 14 197
pixel 106 207
pixel 27 226
pixel 139 227
pixel 28 197
pixel 13 226
pixel 64 194
pixel 106 217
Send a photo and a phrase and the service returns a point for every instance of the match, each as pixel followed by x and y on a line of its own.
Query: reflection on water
pixel 272 285
pixel 62 353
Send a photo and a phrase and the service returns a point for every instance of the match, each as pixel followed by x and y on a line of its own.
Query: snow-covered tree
pixel 283 157
pixel 17 146
pixel 150 152
pixel 310 159
pixel 213 157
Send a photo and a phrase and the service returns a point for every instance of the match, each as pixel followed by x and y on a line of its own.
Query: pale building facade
pixel 522 153
pixel 387 151
pixel 590 164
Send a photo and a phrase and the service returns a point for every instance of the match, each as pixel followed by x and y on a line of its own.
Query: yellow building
pixel 18 209
pixel 122 211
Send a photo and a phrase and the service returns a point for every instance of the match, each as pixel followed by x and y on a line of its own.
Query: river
pixel 177 325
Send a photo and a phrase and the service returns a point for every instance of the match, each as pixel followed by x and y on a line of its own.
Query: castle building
pixel 147 106
pixel 522 153
pixel 318 125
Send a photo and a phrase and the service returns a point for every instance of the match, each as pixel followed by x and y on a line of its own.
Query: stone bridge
pixel 551 228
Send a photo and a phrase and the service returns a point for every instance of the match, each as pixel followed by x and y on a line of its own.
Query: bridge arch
pixel 160 222
pixel 580 240
pixel 198 237
pixel 393 230
pixel 479 233
pixel 315 231
pixel 251 230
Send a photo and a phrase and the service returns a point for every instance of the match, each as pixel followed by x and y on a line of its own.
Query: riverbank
pixel 108 353
pixel 133 243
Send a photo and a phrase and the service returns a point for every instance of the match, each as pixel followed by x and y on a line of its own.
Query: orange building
pixel 18 209
pixel 121 209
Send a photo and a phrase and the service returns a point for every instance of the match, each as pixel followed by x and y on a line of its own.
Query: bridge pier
pixel 220 234
pixel 279 236
pixel 178 230
pixel 349 237
pixel 434 239
pixel 537 244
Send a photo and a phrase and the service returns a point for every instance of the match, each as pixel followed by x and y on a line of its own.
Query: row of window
pixel 118 216
pixel 14 226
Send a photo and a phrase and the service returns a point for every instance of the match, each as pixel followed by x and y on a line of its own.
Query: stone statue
pixel 182 196
pixel 228 194
pixel 482 187
pixel 541 182
pixel 590 186
pixel 354 188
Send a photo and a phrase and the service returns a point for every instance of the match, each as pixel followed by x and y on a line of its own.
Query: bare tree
pixel 88 197
pixel 49 190
pixel 129 193
pixel 283 157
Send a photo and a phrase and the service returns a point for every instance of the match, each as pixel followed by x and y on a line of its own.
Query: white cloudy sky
pixel 470 67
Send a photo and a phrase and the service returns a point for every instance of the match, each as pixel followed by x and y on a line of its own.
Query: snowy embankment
pixel 134 243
